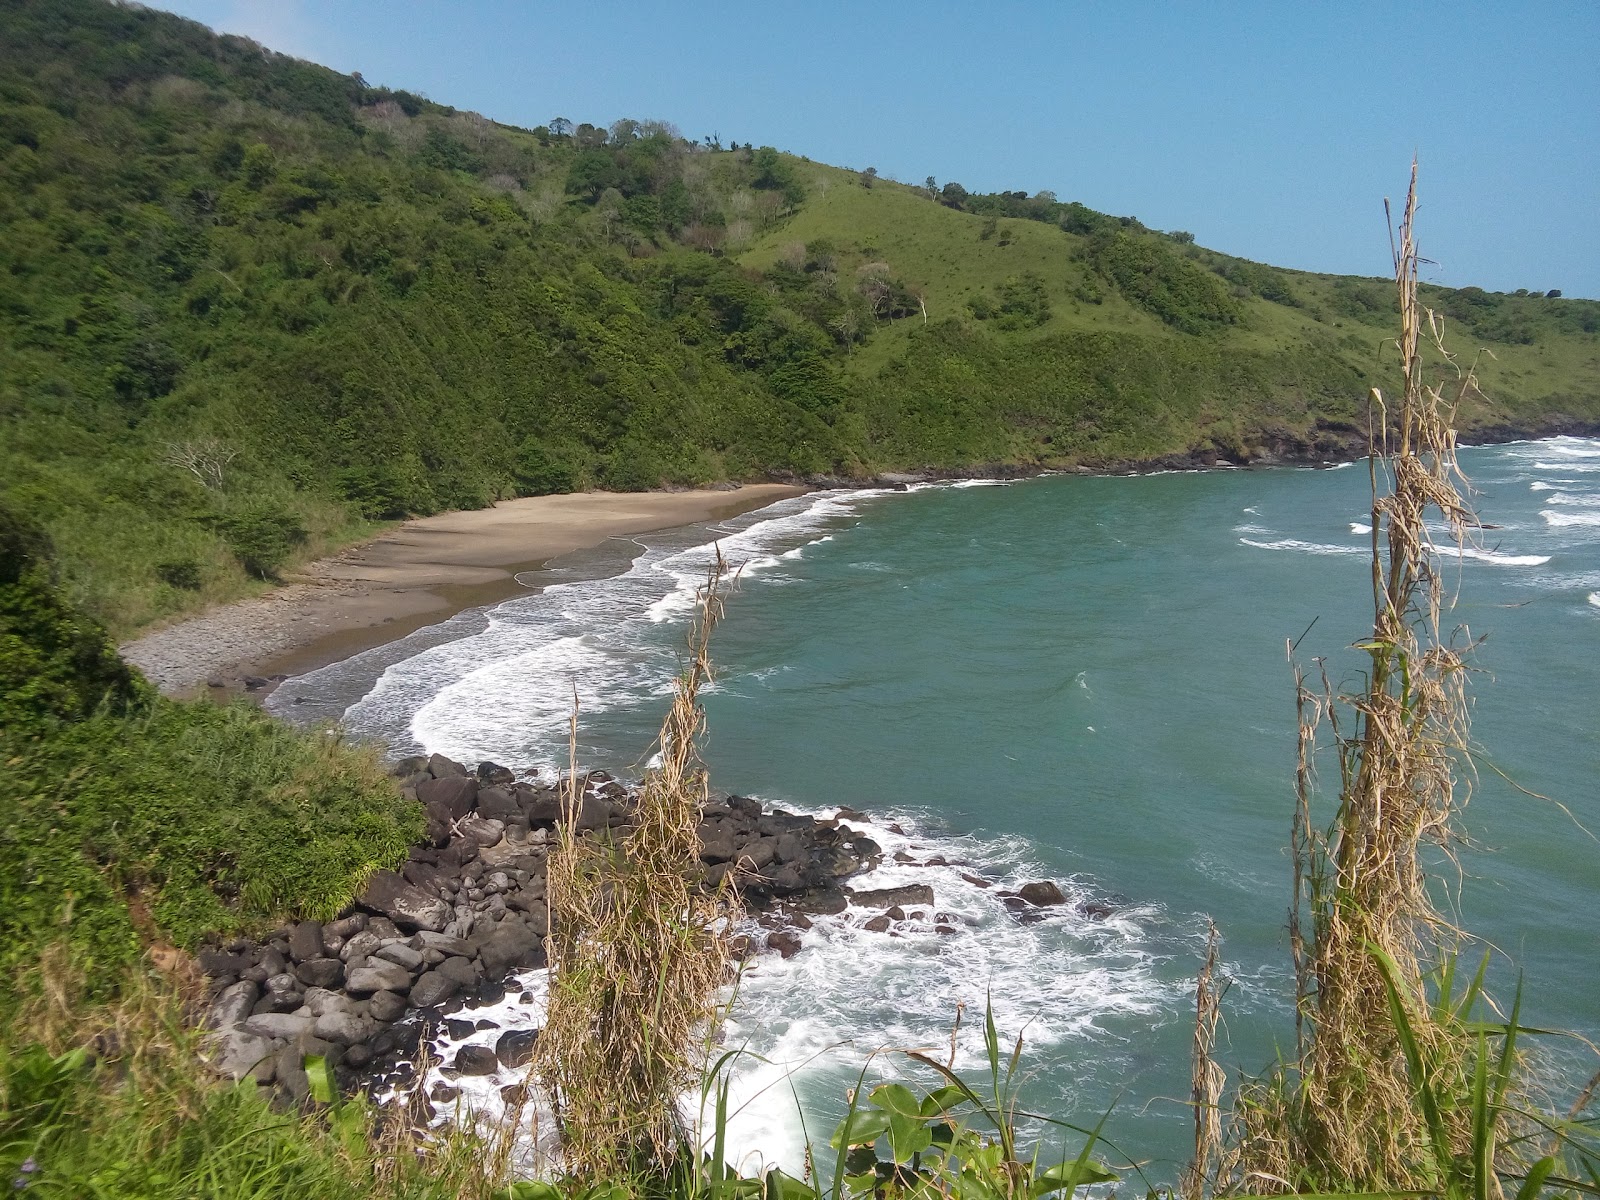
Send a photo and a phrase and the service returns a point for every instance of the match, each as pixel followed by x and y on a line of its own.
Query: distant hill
pixel 252 305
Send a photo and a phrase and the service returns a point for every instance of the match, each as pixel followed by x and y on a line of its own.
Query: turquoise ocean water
pixel 1081 679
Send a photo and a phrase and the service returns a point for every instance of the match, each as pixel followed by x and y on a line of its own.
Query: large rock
pixel 785 941
pixel 346 1029
pixel 279 1025
pixel 515 1047
pixel 381 976
pixel 915 893
pixel 321 1000
pixel 386 1006
pixel 406 905
pixel 305 941
pixel 1041 893
pixel 453 795
pixel 401 955
pixel 321 972
pixel 445 944
pixel 238 1054
pixel 482 830
pixel 441 767
pixel 233 1005
pixel 432 989
pixel 498 804
pixel 716 842
pixel 505 947
pixel 362 945
pixel 476 1060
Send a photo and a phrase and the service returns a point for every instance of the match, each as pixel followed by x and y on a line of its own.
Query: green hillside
pixel 253 306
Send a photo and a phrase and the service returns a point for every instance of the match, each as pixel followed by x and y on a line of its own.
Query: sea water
pixel 1083 679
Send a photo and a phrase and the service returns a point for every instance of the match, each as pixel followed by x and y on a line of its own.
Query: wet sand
pixel 417 574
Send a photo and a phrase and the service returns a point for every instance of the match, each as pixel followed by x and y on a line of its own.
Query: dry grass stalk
pixel 635 952
pixel 1208 1076
pixel 1349 1119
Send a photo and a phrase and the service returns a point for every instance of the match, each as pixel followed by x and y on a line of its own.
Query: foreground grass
pixel 114 1100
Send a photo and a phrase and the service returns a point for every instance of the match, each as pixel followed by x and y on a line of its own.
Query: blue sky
pixel 1269 130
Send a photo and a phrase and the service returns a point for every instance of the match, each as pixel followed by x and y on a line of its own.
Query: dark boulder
pixel 515 1047
pixel 915 893
pixel 476 1060
pixel 785 941
pixel 498 804
pixel 441 767
pixel 505 947
pixel 494 774
pixel 305 941
pixel 321 972
pixel 386 1006
pixel 432 989
pixel 1041 893
pixel 403 903
pixel 454 794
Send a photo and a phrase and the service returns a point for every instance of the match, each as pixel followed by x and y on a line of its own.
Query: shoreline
pixel 414 575
pixel 428 569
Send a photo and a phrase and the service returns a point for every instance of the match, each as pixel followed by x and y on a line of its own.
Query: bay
pixel 1076 678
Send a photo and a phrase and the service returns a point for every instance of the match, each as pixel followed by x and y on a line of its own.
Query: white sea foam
pixel 1301 547
pixel 1503 560
pixel 1575 499
pixel 1561 520
pixel 1357 527
pixel 1583 467
pixel 1594 599
pixel 507 690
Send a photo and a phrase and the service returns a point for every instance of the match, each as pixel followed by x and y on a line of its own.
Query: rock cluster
pixel 465 912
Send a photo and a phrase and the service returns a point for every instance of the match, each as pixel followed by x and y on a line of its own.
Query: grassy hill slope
pixel 253 306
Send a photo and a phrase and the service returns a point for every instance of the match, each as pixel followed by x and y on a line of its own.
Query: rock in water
pixel 916 893
pixel 476 1060
pixel 515 1047
pixel 1041 894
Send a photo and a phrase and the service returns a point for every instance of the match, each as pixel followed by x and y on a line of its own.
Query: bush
pixel 262 537
pixel 181 573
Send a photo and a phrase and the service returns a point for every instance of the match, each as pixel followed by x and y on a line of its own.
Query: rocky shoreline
pixel 453 927
pixel 1328 443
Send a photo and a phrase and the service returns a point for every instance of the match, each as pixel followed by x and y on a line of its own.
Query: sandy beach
pixel 417 574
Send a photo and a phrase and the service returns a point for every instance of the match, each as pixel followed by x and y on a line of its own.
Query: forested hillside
pixel 252 305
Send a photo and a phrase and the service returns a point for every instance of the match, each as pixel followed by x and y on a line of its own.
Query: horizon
pixel 1256 130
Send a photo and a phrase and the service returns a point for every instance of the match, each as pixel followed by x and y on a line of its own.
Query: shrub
pixel 262 537
pixel 181 573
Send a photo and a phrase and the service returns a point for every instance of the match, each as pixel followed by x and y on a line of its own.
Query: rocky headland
pixel 467 913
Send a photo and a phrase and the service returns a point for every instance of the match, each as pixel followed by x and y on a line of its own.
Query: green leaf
pixel 908 1136
pixel 1537 1174
pixel 860 1129
pixel 323 1089
pixel 1069 1177
pixel 780 1186
pixel 942 1100
pixel 530 1189
pixel 897 1098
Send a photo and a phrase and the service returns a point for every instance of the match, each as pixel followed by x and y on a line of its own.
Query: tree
pixel 560 127
pixel 868 176
pixel 1182 237
pixel 1553 294
pixel 953 195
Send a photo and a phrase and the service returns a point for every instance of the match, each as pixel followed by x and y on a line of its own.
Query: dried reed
pixel 635 952
pixel 1344 1116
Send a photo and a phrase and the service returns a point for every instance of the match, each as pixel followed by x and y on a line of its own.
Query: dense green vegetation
pixel 126 818
pixel 252 305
